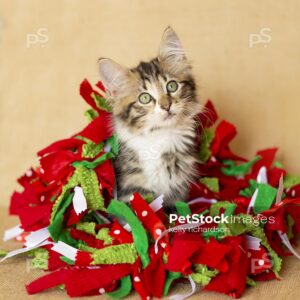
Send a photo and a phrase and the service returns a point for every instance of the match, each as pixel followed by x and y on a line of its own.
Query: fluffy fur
pixel 157 152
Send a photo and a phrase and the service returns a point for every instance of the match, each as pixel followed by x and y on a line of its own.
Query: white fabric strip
pixel 12 233
pixel 105 220
pixel 253 242
pixel 287 243
pixel 252 201
pixel 202 200
pixel 261 178
pixel 36 237
pixel 64 249
pixel 157 203
pixel 280 190
pixel 127 227
pixel 115 192
pixel 185 296
pixel 23 250
pixel 262 175
pixel 79 200
pixel 107 147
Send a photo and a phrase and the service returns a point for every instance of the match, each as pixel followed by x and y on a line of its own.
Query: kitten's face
pixel 156 94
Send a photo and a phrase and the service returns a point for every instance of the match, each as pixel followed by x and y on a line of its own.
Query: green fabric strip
pixel 103 235
pixel 257 231
pixel 118 254
pixel 217 234
pixel 204 212
pixel 86 248
pixel 222 229
pixel 123 290
pixel 91 150
pixel 238 170
pixel 89 182
pixel 91 114
pixel 40 258
pixel 250 281
pixel 67 239
pixel 206 140
pixel 88 227
pixel 55 228
pixel 72 182
pixel 234 228
pixel 290 224
pixel 230 210
pixel 182 208
pixel 215 207
pixel 101 102
pixel 121 210
pixel 67 260
pixel 202 274
pixel 148 197
pixel 171 276
pixel 211 183
pixel 278 164
pixel 265 197
pixel 290 180
pixel 249 191
pixel 114 144
pixel 95 163
pixel 83 138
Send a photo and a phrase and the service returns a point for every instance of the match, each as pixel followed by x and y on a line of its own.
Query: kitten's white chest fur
pixel 152 150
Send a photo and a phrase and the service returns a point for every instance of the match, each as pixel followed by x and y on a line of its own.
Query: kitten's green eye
pixel 172 86
pixel 145 98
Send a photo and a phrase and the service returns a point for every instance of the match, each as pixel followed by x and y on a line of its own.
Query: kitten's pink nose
pixel 167 108
pixel 165 104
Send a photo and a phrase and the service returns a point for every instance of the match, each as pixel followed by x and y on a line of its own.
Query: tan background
pixel 257 88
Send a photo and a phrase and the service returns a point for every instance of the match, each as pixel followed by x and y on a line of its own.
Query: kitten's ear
pixel 113 76
pixel 171 50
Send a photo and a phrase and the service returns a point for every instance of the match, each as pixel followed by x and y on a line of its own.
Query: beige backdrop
pixel 245 56
pixel 48 47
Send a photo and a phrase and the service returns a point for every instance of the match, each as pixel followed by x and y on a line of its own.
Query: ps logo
pixel 262 37
pixel 150 154
pixel 40 38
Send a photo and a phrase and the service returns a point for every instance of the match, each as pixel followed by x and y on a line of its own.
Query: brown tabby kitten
pixel 154 106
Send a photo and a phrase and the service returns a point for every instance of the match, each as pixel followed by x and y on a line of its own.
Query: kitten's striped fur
pixel 157 152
